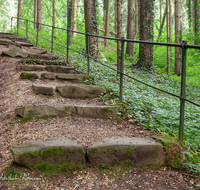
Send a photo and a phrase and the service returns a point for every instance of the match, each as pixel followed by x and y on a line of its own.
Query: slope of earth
pixel 15 92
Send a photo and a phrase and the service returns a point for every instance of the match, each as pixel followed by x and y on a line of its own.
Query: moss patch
pixel 51 151
pixel 29 76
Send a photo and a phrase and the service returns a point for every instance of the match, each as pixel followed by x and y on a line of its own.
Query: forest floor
pixel 15 92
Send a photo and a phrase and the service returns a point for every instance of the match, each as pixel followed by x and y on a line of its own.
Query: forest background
pixel 145 106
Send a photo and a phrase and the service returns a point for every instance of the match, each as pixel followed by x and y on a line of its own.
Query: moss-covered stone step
pixel 41 62
pixel 97 111
pixel 5 41
pixel 50 76
pixel 31 67
pixel 43 89
pixel 59 69
pixel 44 110
pixel 57 151
pixel 16 38
pixel 92 111
pixel 80 91
pixel 29 76
pixel 14 54
pixel 40 56
pixel 135 151
pixel 73 77
pixel 19 44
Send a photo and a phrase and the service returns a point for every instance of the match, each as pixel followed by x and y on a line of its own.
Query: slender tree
pixel 91 26
pixel 116 17
pixel 74 17
pixel 196 21
pixel 107 24
pixel 53 19
pixel 39 14
pixel 35 14
pixel 119 33
pixel 69 18
pixel 189 14
pixel 168 37
pixel 136 17
pixel 145 60
pixel 19 12
pixel 130 27
pixel 162 24
pixel 177 4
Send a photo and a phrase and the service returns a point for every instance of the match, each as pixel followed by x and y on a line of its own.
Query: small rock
pixel 43 89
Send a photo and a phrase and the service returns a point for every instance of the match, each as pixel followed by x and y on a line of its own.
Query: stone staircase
pixel 49 77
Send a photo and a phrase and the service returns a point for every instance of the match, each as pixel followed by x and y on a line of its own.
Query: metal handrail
pixel 184 46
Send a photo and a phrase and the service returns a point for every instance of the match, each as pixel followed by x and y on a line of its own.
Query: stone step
pixel 14 54
pixel 16 38
pixel 42 61
pixel 19 44
pixel 80 91
pixel 59 69
pixel 57 150
pixel 50 76
pixel 43 89
pixel 92 111
pixel 73 77
pixel 135 152
pixel 5 41
pixel 29 76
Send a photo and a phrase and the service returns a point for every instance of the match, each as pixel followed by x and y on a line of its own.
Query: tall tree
pixel 130 27
pixel 35 14
pixel 196 21
pixel 168 37
pixel 189 14
pixel 91 25
pixel 119 33
pixel 39 13
pixel 136 17
pixel 74 17
pixel 177 4
pixel 19 12
pixel 107 24
pixel 162 24
pixel 69 18
pixel 116 18
pixel 54 23
pixel 145 60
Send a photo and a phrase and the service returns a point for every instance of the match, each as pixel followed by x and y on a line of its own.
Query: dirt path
pixel 15 92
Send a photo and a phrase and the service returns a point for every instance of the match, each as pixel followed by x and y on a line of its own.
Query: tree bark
pixel 19 12
pixel 161 26
pixel 177 36
pixel 116 18
pixel 160 13
pixel 54 23
pixel 35 14
pixel 189 14
pixel 168 37
pixel 130 27
pixel 196 21
pixel 107 26
pixel 74 17
pixel 91 26
pixel 104 13
pixel 39 14
pixel 136 17
pixel 146 33
pixel 119 33
pixel 69 19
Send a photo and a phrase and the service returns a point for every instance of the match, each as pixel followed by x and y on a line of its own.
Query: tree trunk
pixel 104 13
pixel 161 26
pixel 39 14
pixel 168 37
pixel 116 18
pixel 19 12
pixel 196 21
pixel 130 27
pixel 91 26
pixel 160 13
pixel 69 19
pixel 146 34
pixel 74 17
pixel 189 14
pixel 136 17
pixel 119 33
pixel 54 23
pixel 35 14
pixel 177 36
pixel 170 21
pixel 107 26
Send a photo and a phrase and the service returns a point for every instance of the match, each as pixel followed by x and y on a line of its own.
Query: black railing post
pixel 67 45
pixel 88 52
pixel 17 25
pixel 121 70
pixel 26 30
pixel 11 24
pixel 52 39
pixel 37 33
pixel 182 97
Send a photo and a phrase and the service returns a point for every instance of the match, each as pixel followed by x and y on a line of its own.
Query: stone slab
pixel 43 89
pixel 59 69
pixel 80 91
pixel 19 44
pixel 15 54
pixel 97 111
pixel 40 56
pixel 50 76
pixel 44 110
pixel 71 77
pixel 30 67
pixel 142 152
pixel 42 62
pixel 29 76
pixel 57 150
